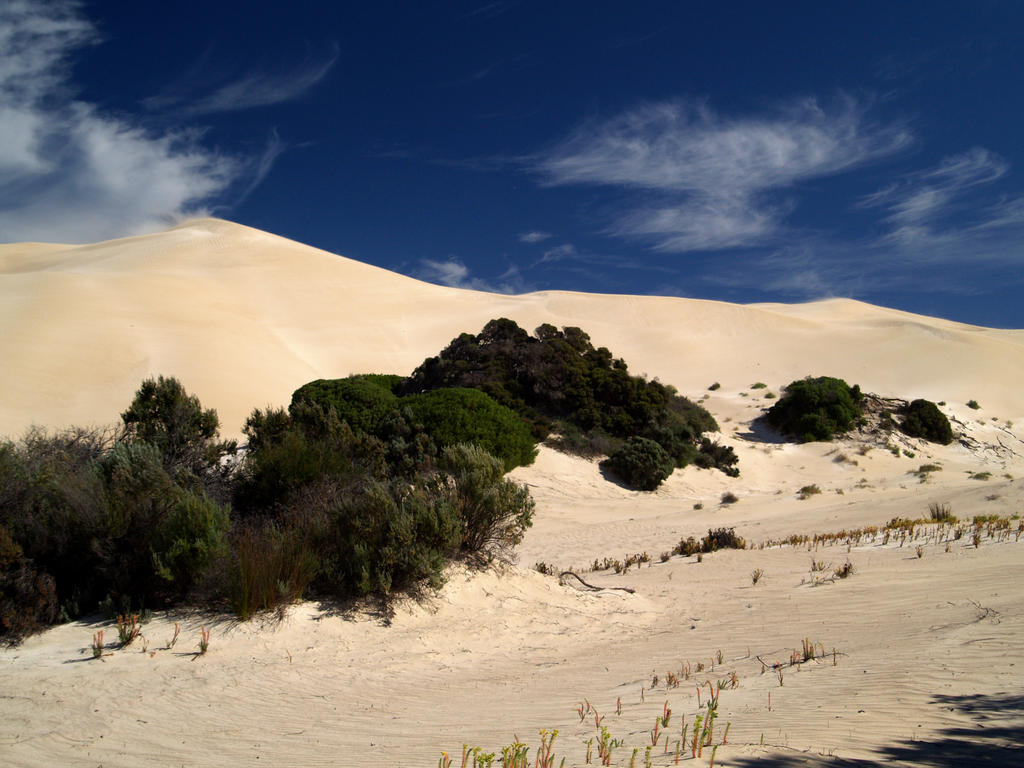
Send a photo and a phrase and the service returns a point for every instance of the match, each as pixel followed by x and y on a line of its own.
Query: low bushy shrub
pixel 817 409
pixel 494 512
pixel 922 418
pixel 28 598
pixel 640 463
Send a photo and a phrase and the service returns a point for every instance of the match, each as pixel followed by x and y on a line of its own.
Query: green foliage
pixel 389 537
pixel 364 402
pixel 640 463
pixel 973 405
pixel 817 409
pixel 557 377
pixel 460 415
pixel 494 512
pixel 28 598
pixel 922 418
pixel 191 537
pixel 165 416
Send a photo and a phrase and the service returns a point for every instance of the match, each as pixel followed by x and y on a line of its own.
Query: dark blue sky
pixel 736 151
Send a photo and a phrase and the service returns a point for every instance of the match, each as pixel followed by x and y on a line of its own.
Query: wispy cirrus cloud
pixel 71 172
pixel 192 93
pixel 708 181
pixel 455 274
pixel 927 207
pixel 533 237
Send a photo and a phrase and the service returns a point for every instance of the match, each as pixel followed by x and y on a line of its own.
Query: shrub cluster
pixel 558 382
pixel 922 418
pixel 719 538
pixel 162 511
pixel 817 409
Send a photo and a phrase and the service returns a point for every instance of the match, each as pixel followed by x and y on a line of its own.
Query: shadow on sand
pixel 995 739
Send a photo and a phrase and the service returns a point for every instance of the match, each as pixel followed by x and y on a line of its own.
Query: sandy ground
pixel 928 650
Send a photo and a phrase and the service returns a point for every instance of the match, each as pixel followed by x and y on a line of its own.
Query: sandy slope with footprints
pixel 928 649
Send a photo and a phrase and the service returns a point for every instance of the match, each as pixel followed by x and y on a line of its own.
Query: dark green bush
pixel 559 377
pixel 922 418
pixel 167 417
pixel 364 402
pixel 191 538
pixel 460 415
pixel 640 463
pixel 28 598
pixel 816 409
pixel 270 567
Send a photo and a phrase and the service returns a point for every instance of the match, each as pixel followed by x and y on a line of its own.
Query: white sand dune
pixel 928 649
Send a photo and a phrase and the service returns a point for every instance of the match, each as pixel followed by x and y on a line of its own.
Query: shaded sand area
pixel 923 649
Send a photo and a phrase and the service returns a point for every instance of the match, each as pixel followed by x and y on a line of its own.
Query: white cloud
pixel 533 237
pixel 73 173
pixel 455 274
pixel 247 91
pixel 558 253
pixel 713 178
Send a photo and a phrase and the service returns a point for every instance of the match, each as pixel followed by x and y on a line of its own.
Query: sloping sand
pixel 929 650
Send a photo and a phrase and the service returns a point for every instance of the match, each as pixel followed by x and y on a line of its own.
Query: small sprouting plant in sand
pixel 729 498
pixel 976 540
pixel 174 639
pixel 128 629
pixel 756 575
pixel 444 761
pixel 981 476
pixel 807 491
pixel 698 505
pixel 204 641
pixel 845 570
pixel 819 565
pixel 919 550
pixel 605 745
pixel 545 758
pixel 97 645
pixel 546 568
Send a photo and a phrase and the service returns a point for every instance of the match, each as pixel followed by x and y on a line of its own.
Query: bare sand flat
pixel 928 650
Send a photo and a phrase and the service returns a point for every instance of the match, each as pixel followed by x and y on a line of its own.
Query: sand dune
pixel 243 318
pixel 927 649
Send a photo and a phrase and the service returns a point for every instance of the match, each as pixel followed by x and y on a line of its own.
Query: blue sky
pixel 743 151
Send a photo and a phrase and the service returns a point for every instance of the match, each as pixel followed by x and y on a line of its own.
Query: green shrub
pixel 494 512
pixel 559 377
pixel 165 416
pixel 460 415
pixel 719 538
pixel 816 409
pixel 364 402
pixel 191 537
pixel 973 405
pixel 386 538
pixel 922 418
pixel 28 598
pixel 640 463
pixel 714 387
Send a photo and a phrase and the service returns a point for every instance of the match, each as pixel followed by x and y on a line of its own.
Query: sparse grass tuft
pixel 756 575
pixel 729 498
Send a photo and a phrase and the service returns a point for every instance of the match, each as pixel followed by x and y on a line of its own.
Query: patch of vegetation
pixel 93 518
pixel 719 538
pixel 973 405
pixel 922 418
pixel 941 513
pixel 759 385
pixel 714 387
pixel 557 381
pixel 807 491
pixel 729 498
pixel 640 463
pixel 817 409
